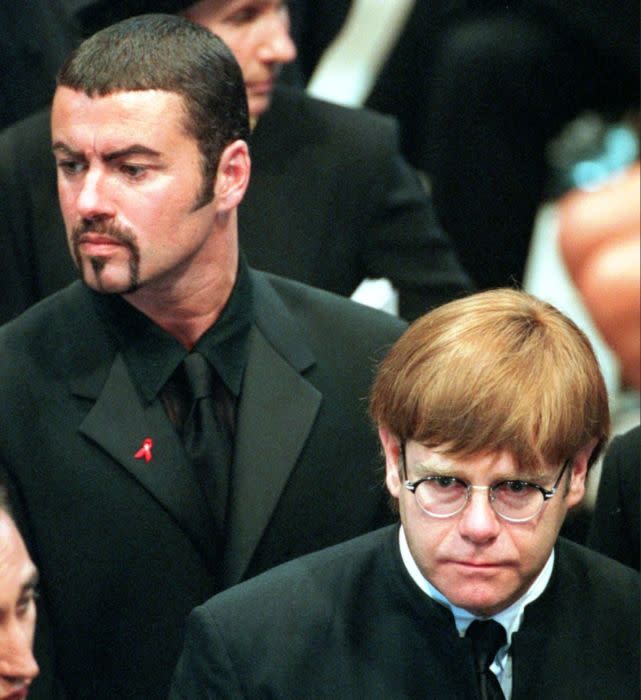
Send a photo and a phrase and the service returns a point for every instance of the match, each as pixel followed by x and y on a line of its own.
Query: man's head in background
pixel 18 579
pixel 257 32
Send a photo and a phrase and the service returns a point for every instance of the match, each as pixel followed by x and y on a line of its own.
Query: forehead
pixel 147 115
pixel 212 10
pixel 16 567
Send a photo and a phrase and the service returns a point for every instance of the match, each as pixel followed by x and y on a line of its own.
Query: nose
pixel 17 663
pixel 277 45
pixel 92 201
pixel 478 522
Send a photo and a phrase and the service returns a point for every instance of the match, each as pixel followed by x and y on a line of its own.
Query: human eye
pixel 26 600
pixel 244 15
pixel 69 166
pixel 442 485
pixel 516 491
pixel 440 493
pixel 517 486
pixel 443 482
pixel 133 170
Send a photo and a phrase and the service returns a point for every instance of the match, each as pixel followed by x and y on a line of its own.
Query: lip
pixel 97 243
pixel 478 565
pixel 98 239
pixel 262 87
pixel 18 694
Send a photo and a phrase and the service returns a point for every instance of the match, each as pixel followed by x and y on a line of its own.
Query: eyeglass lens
pixel 447 496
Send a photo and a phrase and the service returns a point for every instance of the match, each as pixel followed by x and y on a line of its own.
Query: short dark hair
pixel 169 53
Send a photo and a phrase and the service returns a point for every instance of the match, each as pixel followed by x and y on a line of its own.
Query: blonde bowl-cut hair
pixel 495 371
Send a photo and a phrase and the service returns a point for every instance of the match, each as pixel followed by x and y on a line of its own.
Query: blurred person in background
pixel 18 585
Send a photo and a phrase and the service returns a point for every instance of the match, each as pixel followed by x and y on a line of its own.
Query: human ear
pixel 232 177
pixel 578 474
pixel 392 449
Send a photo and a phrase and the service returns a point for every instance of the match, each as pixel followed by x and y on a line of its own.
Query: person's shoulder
pixel 56 343
pixel 358 124
pixel 330 572
pixel 27 139
pixel 594 595
pixel 628 444
pixel 265 628
pixel 622 463
pixel 38 329
pixel 598 576
pixel 321 312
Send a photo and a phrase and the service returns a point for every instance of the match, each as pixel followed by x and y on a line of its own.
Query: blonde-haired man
pixel 490 411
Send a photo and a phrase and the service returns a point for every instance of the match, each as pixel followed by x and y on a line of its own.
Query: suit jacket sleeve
pixel 406 242
pixel 205 668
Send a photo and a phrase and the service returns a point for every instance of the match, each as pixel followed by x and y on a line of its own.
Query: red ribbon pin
pixel 145 450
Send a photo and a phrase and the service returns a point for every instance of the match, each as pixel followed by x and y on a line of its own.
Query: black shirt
pixel 152 355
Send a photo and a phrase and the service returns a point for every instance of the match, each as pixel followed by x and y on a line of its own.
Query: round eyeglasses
pixel 513 500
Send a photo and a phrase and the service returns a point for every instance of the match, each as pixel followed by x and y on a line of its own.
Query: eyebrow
pixel 433 466
pixel 32 582
pixel 134 149
pixel 59 146
pixel 436 468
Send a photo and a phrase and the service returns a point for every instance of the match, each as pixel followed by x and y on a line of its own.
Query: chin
pixel 479 598
pixel 103 279
pixel 103 287
pixel 257 107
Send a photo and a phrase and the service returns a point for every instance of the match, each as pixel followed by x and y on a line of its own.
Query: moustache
pixel 118 233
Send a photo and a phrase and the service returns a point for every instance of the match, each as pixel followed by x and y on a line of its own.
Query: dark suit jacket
pixel 35 38
pixel 349 623
pixel 616 520
pixel 123 546
pixel 330 202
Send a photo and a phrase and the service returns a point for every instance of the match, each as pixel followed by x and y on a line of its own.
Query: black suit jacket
pixel 616 520
pixel 35 38
pixel 123 546
pixel 349 623
pixel 330 202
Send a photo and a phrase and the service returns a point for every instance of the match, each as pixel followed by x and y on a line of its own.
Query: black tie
pixel 207 436
pixel 487 636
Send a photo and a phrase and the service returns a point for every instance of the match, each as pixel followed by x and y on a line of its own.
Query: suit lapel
pixel 277 410
pixel 276 413
pixel 119 422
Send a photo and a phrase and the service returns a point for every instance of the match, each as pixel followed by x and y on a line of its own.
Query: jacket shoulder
pixel 600 578
pixel 48 331
pixel 325 571
pixel 23 145
pixel 355 127
pixel 324 316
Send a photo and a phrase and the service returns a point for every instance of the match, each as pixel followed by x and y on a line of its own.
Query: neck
pixel 187 308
